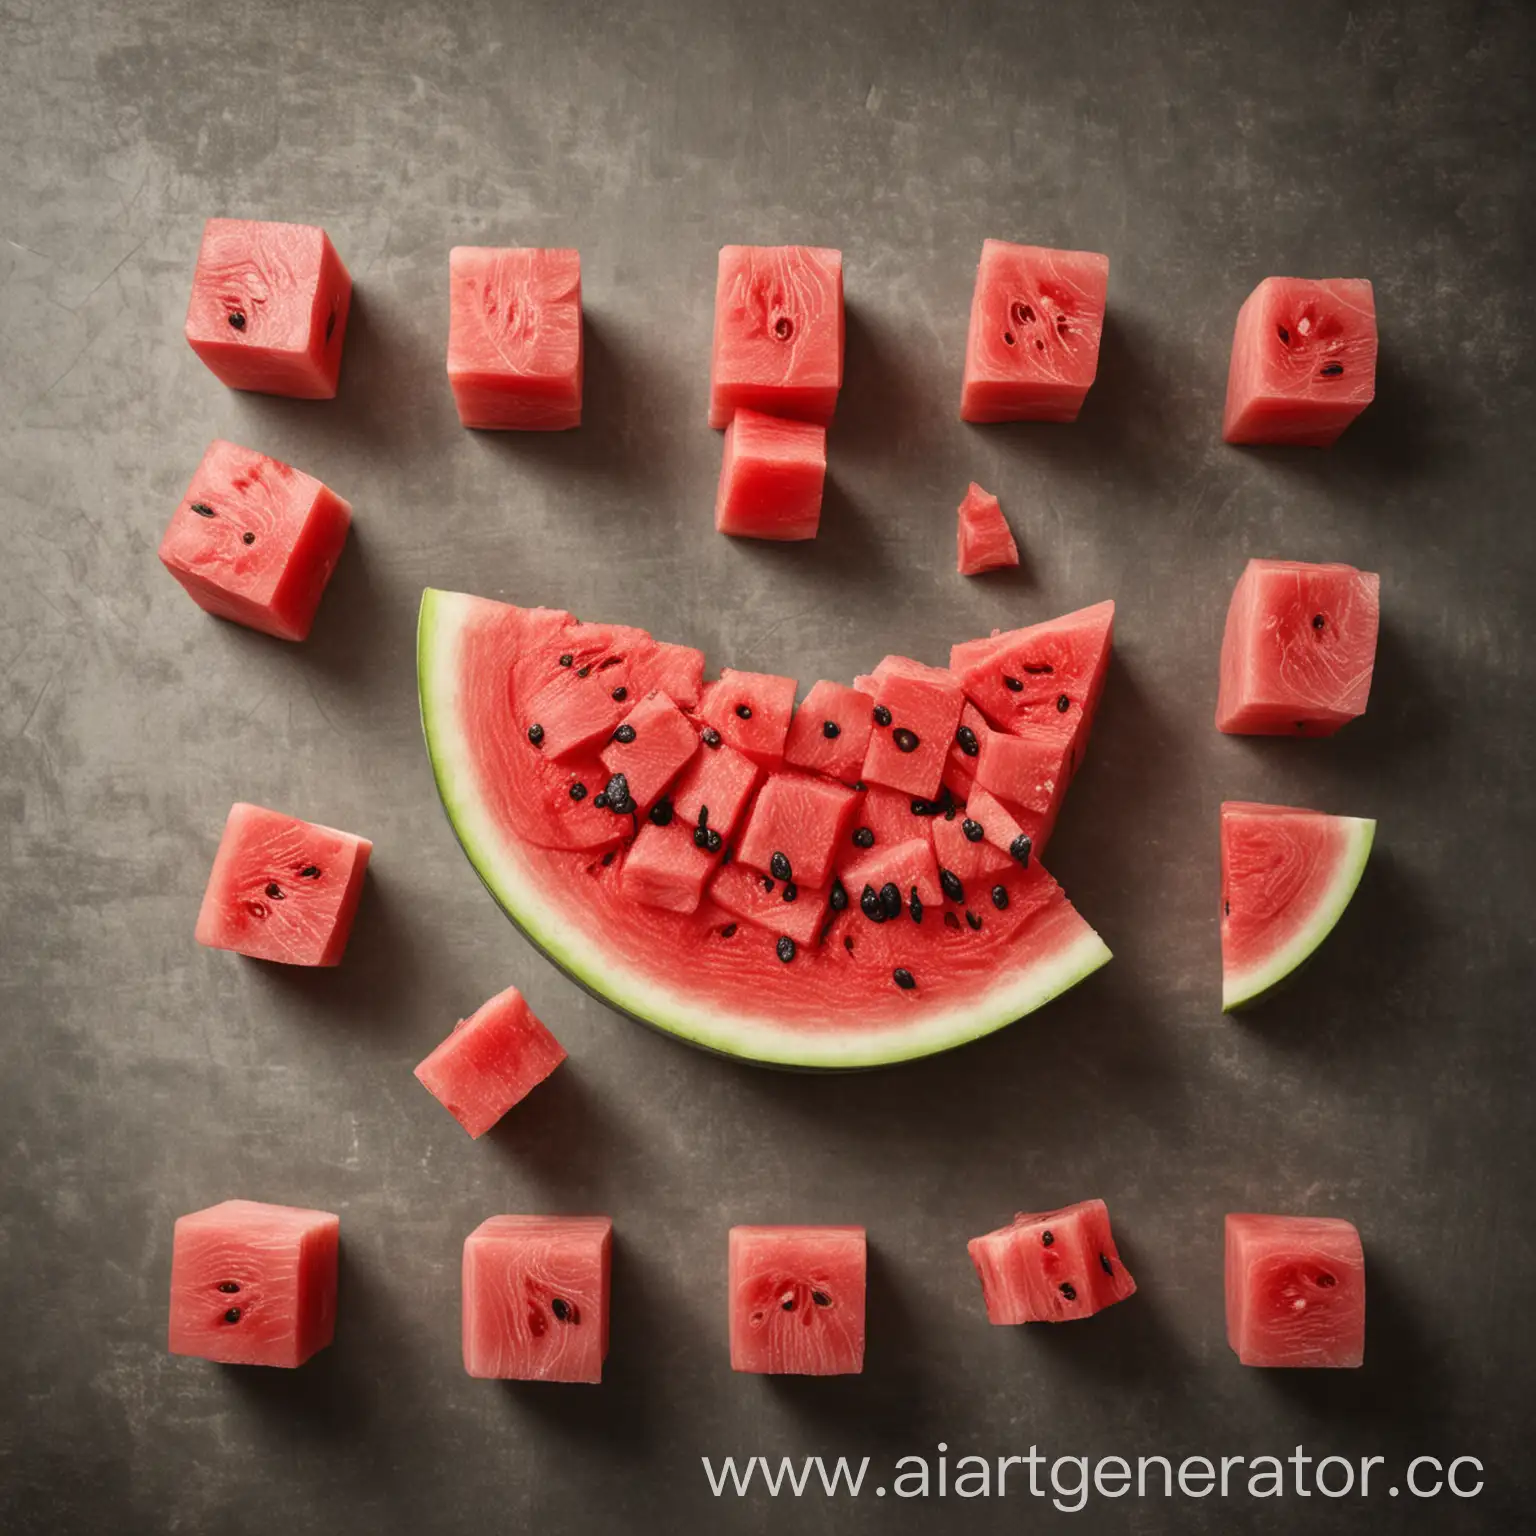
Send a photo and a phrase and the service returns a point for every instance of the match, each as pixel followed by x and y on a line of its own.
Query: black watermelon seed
pixel 583 671
pixel 788 1303
pixel 949 813
pixel 974 921
pixel 330 325
pixel 1013 685
pixel 915 906
pixel 791 890
pixel 229 1287
pixel 779 867
pixel 620 694
pixel 952 886
pixel 950 920
pixel 1285 335
pixel 237 319
pixel 1018 849
pixel 860 785
pixel 536 733
pixel 711 737
pixel 839 897
pixel 1318 621
pixel 274 890
pixel 1331 370
pixel 1069 1290
pixel 882 715
pixel 600 800
pixel 661 813
pixel 609 857
pixel 767 883
pixel 578 791
pixel 974 831
pixel 247 537
pixel 703 815
pixel 1063 704
pixel 890 899
pixel 1109 1268
pixel 906 741
pixel 203 509
pixel 966 737
pixel 785 949
pixel 1226 909
pixel 707 839
pixel 783 327
pixel 310 872
pixel 743 711
pixel 567 659
pixel 233 1315
pixel 821 1298
pixel 863 837
pixel 1047 1238
pixel 1000 897
pixel 848 942
pixel 617 788
pixel 921 807
pixel 903 978
pixel 869 904
pixel 729 931
pixel 562 1309
pixel 624 734
pixel 831 729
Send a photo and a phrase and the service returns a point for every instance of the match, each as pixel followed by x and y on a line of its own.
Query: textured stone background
pixel 1203 146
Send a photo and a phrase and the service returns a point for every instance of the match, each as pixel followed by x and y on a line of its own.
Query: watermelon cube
pixel 830 731
pixel 1033 346
pixel 985 542
pixel 797 1300
pixel 795 827
pixel 909 866
pixel 255 540
pixel 515 338
pixel 1299 649
pixel 883 818
pixel 771 476
pixel 786 908
pixel 1303 361
pixel 282 889
pixel 966 856
pixel 714 790
pixel 916 710
pixel 1052 1267
pixel 490 1061
pixel 253 1284
pixel 1295 1291
pixel 778 342
pixel 960 767
pixel 650 746
pixel 667 866
pixel 751 712
pixel 675 670
pixel 269 307
pixel 536 1298
pixel 1030 774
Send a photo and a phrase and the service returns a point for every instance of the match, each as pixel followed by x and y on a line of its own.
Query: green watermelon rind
pixel 754 1038
pixel 1259 980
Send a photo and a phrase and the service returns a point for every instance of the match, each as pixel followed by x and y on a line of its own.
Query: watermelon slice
pixel 1303 361
pixel 797 1300
pixel 778 333
pixel 1032 350
pixel 282 889
pixel 255 540
pixel 985 541
pixel 515 355
pixel 492 1059
pixel 1286 877
pixel 1295 1291
pixel 1051 1267
pixel 536 1298
pixel 836 1002
pixel 1299 649
pixel 269 307
pixel 253 1284
pixel 771 477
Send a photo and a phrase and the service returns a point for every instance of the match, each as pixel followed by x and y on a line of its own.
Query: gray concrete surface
pixel 1203 146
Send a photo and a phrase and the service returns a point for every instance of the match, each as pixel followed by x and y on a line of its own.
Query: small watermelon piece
pixel 915 712
pixel 972 861
pixel 960 767
pixel 650 747
pixel 797 1300
pixel 778 344
pixel 282 889
pixel 714 789
pixel 1032 350
pixel 1286 877
pixel 1299 649
pixel 515 356
pixel 830 731
pixel 578 702
pixel 675 670
pixel 269 307
pixel 536 1298
pixel 985 542
pixel 1303 361
pixel 1051 1267
pixel 1295 1291
pixel 751 711
pixel 491 1061
pixel 1030 774
pixel 667 867
pixel 795 827
pixel 771 476
pixel 253 1284
pixel 255 540
pixel 999 826
pixel 786 908
pixel 883 818
pixel 909 866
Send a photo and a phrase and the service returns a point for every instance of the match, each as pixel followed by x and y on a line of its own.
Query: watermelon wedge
pixel 1286 877
pixel 653 911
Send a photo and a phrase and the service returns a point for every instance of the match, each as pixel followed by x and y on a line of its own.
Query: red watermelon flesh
pixel 960 767
pixel 830 731
pixel 973 861
pixel 492 1059
pixel 915 712
pixel 796 826
pixel 751 711
pixel 515 355
pixel 797 1300
pixel 282 889
pixel 255 540
pixel 1299 649
pixel 909 866
pixel 1029 774
pixel 536 1298
pixel 784 908
pixel 667 867
pixel 1303 361
pixel 650 747
pixel 881 818
pixel 1051 1267
pixel 253 1284
pixel 715 788
pixel 1295 1291
pixel 985 542
pixel 771 475
pixel 1032 350
pixel 778 344
pixel 269 307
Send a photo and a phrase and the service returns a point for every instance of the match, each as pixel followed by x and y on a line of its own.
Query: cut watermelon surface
pixel 796 1298
pixel 1051 1267
pixel 985 542
pixel 1286 877
pixel 1295 1291
pixel 683 916
pixel 771 476
pixel 269 307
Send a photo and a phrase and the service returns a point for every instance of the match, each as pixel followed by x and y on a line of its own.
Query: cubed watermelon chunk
pixel 771 475
pixel 269 307
pixel 515 353
pixel 830 731
pixel 714 790
pixel 786 908
pixel 795 827
pixel 960 766
pixel 1051 1267
pixel 960 845
pixel 908 869
pixel 576 705
pixel 778 332
pixel 253 1284
pixel 751 712
pixel 492 1059
pixel 1295 1291
pixel 1303 361
pixel 1033 346
pixel 915 712
pixel 282 889
pixel 985 542
pixel 536 1298
pixel 797 1300
pixel 998 825
pixel 1030 774
pixel 1299 649
pixel 650 747
pixel 669 865
pixel 255 540
pixel 883 818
